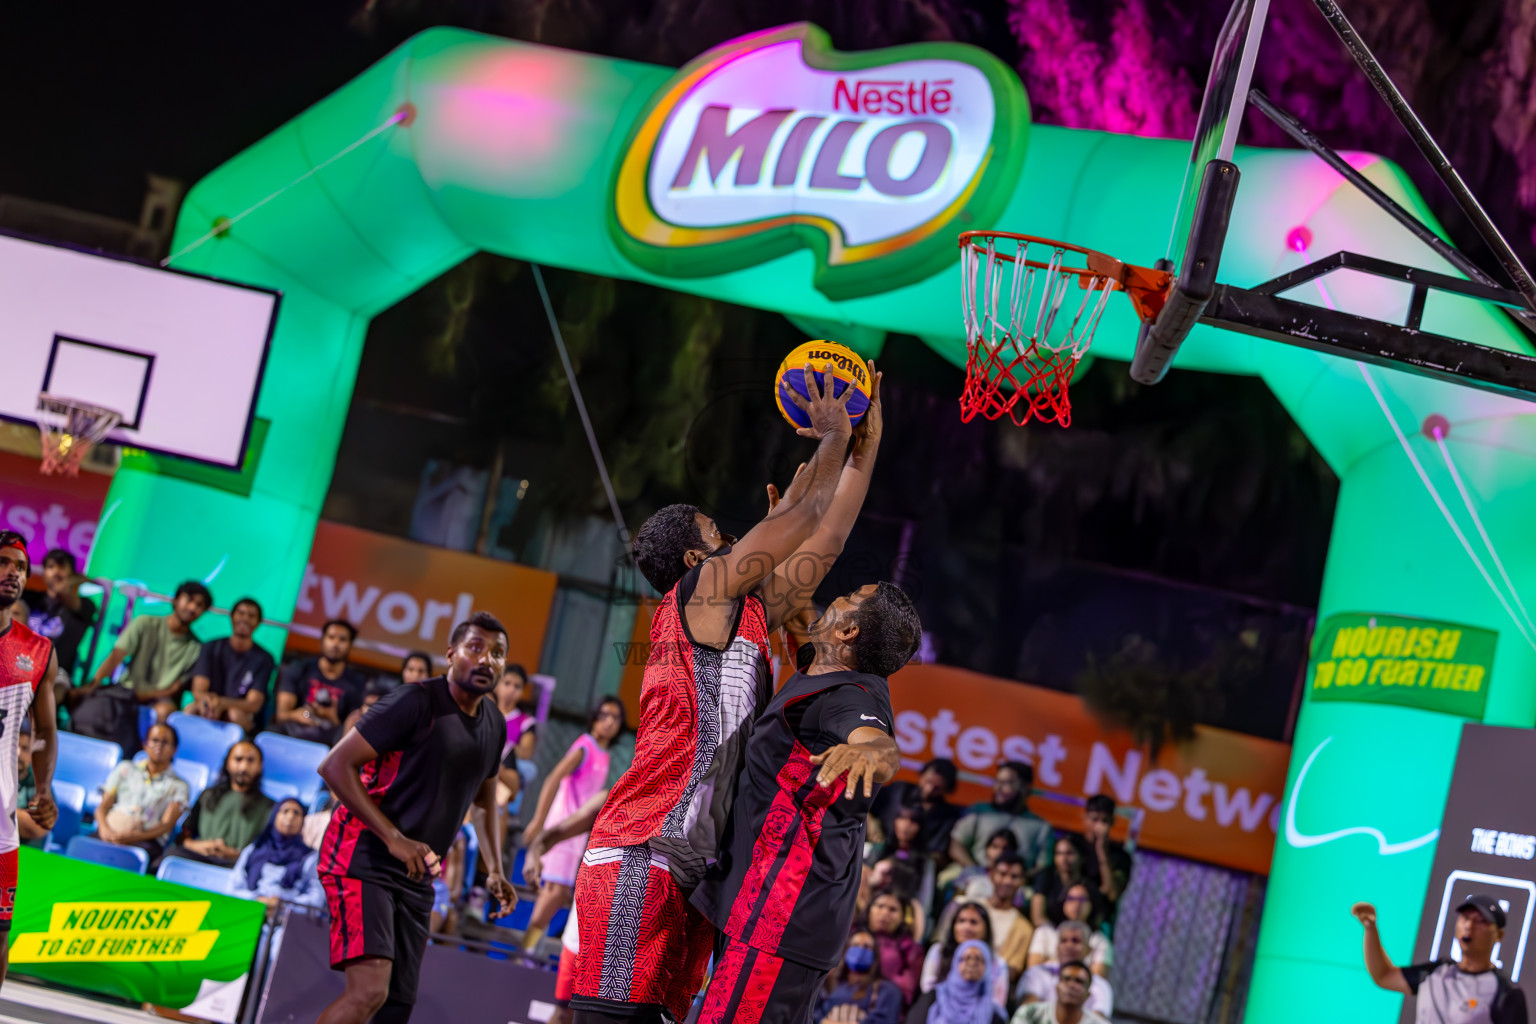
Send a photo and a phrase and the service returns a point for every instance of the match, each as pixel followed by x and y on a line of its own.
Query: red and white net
pixel 1031 309
pixel 68 430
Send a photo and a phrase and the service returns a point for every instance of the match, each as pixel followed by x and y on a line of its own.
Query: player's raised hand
pixel 418 858
pixel 866 435
pixel 828 414
pixel 774 495
pixel 1365 913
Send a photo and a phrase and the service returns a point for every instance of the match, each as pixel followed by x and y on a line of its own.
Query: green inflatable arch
pixel 474 143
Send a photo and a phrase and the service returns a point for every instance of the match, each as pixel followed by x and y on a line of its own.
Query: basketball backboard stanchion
pixel 1292 126
pixel 1382 83
pixel 1192 295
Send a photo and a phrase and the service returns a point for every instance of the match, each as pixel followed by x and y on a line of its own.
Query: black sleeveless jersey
pixel 789 872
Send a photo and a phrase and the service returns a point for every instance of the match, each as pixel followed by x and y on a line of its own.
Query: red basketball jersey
pixel 23 661
pixel 697 705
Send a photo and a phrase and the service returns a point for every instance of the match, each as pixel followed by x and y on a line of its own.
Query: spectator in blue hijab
pixel 278 866
pixel 963 997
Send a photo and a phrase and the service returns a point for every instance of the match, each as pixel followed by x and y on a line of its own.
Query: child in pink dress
pixel 582 772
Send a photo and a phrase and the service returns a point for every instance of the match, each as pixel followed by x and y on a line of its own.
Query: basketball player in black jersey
pixel 425 754
pixel 783 891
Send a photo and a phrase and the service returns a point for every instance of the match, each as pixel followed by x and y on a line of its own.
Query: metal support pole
pixel 1431 150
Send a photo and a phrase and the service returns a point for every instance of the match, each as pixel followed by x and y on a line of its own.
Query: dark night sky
pixel 101 94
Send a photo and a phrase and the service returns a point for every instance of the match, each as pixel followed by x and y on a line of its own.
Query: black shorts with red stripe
pixel 753 987
pixel 372 919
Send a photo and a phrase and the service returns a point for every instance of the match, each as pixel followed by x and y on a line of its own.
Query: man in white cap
pixel 1469 991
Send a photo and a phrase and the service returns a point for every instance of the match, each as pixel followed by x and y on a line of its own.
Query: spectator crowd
pixel 158 666
pixel 966 915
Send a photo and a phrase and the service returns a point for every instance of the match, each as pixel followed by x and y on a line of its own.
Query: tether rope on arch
pixel 1445 511
pixel 581 406
pixel 222 225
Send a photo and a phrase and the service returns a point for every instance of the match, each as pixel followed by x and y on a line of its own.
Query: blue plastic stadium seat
pixel 126 858
pixel 278 791
pixel 518 919
pixel 285 759
pixel 204 740
pixel 70 798
pixel 195 874
pixel 527 771
pixel 86 762
pixel 146 719
pixel 194 773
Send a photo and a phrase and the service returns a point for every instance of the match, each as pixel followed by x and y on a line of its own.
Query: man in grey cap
pixel 1470 991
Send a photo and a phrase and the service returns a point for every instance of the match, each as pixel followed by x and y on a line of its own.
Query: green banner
pixel 120 934
pixel 1388 659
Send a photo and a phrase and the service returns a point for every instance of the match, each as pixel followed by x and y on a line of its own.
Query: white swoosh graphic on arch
pixel 1301 840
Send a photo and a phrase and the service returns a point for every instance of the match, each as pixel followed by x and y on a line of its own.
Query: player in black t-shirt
pixel 783 892
pixel 425 753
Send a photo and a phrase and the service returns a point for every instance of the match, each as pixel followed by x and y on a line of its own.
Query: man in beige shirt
pixel 1011 930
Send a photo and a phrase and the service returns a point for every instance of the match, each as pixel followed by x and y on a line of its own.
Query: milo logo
pixel 776 142
pixel 849 367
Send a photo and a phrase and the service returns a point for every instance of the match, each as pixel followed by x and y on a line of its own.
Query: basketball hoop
pixel 1022 346
pixel 69 429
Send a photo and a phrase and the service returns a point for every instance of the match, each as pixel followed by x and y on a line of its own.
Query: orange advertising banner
pixel 1214 799
pixel 404 596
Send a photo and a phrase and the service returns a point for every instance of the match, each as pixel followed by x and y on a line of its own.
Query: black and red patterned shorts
pixel 9 871
pixel 644 949
pixel 753 987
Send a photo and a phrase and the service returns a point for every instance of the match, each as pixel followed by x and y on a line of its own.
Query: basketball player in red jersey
pixel 643 948
pixel 26 661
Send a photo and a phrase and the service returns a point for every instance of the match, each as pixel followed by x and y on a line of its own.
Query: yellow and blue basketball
pixel 827 358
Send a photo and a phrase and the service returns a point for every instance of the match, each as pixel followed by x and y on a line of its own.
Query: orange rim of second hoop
pixel 1146 288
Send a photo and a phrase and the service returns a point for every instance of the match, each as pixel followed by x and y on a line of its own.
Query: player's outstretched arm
pixel 727 577
pixel 340 772
pixel 793 583
pixel 1380 966
pixel 869 757
pixel 45 741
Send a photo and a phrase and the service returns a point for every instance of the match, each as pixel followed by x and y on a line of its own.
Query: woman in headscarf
pixel 963 997
pixel 970 921
pixel 278 866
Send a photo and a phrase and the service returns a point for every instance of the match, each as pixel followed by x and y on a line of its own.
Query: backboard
pixel 1203 206
pixel 1221 112
pixel 179 356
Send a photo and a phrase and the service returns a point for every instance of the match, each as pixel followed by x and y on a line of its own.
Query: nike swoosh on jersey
pixel 870 718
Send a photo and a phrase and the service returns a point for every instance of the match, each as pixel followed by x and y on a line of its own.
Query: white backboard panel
pixel 179 356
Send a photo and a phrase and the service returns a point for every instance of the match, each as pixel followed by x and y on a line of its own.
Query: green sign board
pixel 1388 659
pixel 120 934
